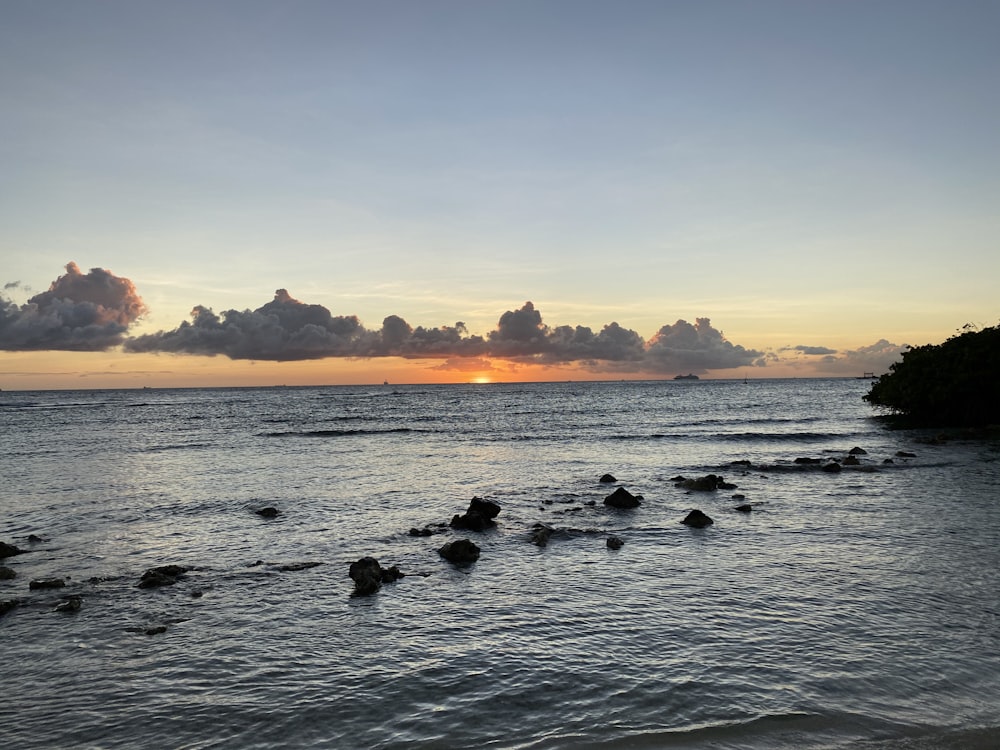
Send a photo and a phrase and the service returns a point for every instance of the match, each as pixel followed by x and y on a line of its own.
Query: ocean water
pixel 858 609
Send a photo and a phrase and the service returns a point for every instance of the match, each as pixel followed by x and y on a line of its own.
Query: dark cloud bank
pixel 79 312
pixel 286 329
pixel 92 312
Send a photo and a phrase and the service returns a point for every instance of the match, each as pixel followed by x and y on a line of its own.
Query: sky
pixel 257 193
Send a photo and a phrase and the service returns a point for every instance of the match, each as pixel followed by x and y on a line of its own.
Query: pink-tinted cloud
pixel 79 312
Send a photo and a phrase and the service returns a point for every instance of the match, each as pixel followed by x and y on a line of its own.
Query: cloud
pixel 79 312
pixel 874 358
pixel 286 329
pixel 696 348
pixel 282 330
pixel 810 350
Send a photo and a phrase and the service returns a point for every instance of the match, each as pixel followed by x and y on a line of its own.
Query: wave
pixel 338 433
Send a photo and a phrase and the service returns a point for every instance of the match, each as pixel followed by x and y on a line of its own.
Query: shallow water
pixel 856 609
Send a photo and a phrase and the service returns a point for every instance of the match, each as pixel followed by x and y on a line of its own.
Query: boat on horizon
pixel 689 376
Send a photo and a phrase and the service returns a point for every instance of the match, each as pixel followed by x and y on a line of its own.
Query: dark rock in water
pixel 615 542
pixel 741 462
pixel 156 630
pixel 622 498
pixel 696 519
pixel 6 573
pixel 35 539
pixel 899 454
pixel 804 460
pixel 6 605
pixel 677 478
pixel 608 479
pixel 851 461
pixel 460 552
pixel 70 604
pixel 478 517
pixel 888 461
pixel 164 575
pixel 9 550
pixel 738 496
pixel 47 583
pixel 745 508
pixel 267 512
pixel 855 451
pixel 708 483
pixel 368 576
pixel 832 468
pixel 540 534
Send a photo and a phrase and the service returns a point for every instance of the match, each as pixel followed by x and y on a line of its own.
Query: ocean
pixel 857 608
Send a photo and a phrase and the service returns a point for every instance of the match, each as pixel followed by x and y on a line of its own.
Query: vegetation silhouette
pixel 953 384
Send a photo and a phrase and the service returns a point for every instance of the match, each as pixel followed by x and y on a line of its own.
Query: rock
pixel 708 483
pixel 804 460
pixel 832 468
pixel 851 461
pixel 6 573
pixel 368 576
pixel 855 451
pixel 622 498
pixel 164 575
pixel 888 461
pixel 540 534
pixel 46 583
pixel 35 539
pixel 905 454
pixel 615 542
pixel 460 552
pixel 696 519
pixel 6 605
pixel 156 630
pixel 9 550
pixel 677 479
pixel 741 462
pixel 745 508
pixel 70 604
pixel 607 479
pixel 267 512
pixel 478 517
pixel 738 496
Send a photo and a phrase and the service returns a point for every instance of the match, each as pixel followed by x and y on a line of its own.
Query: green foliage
pixel 956 383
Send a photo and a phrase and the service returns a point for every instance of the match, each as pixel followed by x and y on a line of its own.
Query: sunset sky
pixel 243 193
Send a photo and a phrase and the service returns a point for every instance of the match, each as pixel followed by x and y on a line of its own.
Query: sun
pixel 481 379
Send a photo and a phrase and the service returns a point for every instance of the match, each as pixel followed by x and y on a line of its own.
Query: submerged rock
pixel 855 451
pixel 70 604
pixel 615 542
pixel 268 512
pixel 697 519
pixel 460 552
pixel 622 498
pixel 851 461
pixel 292 567
pixel 46 583
pixel 164 575
pixel 905 454
pixel 805 460
pixel 6 573
pixel 745 508
pixel 540 534
pixel 607 479
pixel 9 550
pixel 6 605
pixel 831 468
pixel 707 483
pixel 429 529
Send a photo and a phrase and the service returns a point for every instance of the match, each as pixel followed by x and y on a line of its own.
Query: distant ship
pixel 689 376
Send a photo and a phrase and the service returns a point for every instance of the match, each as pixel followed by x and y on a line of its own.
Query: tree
pixel 956 383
